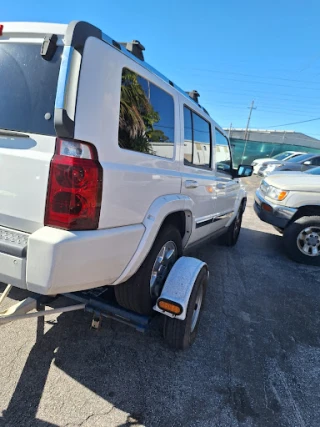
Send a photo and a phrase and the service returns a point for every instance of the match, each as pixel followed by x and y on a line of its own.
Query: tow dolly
pixel 181 300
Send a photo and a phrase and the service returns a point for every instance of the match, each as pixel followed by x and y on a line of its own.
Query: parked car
pixel 291 203
pixel 108 169
pixel 286 155
pixel 313 171
pixel 299 163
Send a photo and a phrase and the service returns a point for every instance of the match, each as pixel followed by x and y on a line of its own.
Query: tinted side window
pixel 222 156
pixel 316 161
pixel 146 117
pixel 187 136
pixel 197 140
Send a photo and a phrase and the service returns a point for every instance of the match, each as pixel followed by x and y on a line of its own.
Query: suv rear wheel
pixel 302 240
pixel 141 291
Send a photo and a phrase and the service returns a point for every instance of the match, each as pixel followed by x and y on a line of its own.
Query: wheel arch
pixel 181 219
pixel 172 209
pixel 306 210
pixel 241 202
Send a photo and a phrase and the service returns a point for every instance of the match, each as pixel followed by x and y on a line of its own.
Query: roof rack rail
pixel 76 34
pixel 195 95
pixel 135 47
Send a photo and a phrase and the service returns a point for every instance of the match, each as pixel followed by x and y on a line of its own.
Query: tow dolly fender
pixel 179 284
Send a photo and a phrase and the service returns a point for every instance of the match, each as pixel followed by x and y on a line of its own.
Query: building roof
pixel 276 136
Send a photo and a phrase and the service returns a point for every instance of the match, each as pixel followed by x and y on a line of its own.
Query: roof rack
pixel 76 34
pixel 134 47
pixel 195 95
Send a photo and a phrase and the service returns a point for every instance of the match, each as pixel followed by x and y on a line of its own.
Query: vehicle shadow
pixel 260 308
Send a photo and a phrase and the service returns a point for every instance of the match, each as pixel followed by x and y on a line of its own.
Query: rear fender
pixel 160 209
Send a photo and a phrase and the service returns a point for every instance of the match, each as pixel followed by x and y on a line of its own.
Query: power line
pixel 298 99
pixel 294 123
pixel 269 84
pixel 254 92
pixel 310 64
pixel 235 106
pixel 275 107
pixel 253 75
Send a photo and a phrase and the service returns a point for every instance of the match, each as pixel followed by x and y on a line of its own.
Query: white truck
pixel 96 186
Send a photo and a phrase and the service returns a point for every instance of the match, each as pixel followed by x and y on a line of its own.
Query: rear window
pixel 28 85
pixel 146 121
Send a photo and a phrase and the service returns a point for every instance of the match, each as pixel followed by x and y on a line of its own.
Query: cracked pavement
pixel 255 362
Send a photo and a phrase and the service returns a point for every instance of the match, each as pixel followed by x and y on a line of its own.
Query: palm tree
pixel 137 115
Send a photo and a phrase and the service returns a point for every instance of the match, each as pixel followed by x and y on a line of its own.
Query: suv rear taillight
pixel 74 187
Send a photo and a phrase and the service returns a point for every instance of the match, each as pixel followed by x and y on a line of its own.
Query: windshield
pixel 28 85
pixel 299 158
pixel 282 156
pixel 314 171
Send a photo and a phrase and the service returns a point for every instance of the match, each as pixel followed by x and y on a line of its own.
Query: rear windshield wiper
pixel 6 132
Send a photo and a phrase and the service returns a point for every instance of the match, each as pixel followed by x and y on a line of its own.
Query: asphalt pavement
pixel 256 360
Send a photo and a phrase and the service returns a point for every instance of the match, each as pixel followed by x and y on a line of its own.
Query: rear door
pixel 28 85
pixel 197 174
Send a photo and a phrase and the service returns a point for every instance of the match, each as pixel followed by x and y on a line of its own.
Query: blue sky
pixel 231 51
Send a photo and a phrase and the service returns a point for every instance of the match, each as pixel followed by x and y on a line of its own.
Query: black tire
pixel 291 243
pixel 177 333
pixel 134 294
pixel 279 230
pixel 231 237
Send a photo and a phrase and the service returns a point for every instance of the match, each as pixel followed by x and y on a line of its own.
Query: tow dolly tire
pixel 178 334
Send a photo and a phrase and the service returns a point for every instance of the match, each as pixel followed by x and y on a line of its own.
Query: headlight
pixel 273 192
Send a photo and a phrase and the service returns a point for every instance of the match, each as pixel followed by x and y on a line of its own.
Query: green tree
pixel 158 135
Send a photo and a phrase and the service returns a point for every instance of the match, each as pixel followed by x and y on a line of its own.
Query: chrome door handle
pixel 221 186
pixel 191 184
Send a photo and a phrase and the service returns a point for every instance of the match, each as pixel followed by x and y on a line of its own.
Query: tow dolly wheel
pixel 180 334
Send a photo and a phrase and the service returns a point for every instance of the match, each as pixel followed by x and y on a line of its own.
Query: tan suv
pixel 290 201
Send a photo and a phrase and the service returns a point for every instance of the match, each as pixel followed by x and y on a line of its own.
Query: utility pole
pixel 246 134
pixel 249 118
pixel 230 130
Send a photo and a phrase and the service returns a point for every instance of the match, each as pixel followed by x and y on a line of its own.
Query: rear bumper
pixel 58 261
pixel 273 214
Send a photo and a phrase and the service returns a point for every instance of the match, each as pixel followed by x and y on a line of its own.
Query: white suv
pixel 108 171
